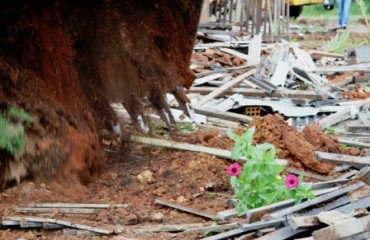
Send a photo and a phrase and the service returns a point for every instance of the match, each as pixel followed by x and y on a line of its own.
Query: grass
pixel 318 10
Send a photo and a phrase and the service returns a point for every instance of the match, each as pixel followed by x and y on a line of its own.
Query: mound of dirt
pixel 297 147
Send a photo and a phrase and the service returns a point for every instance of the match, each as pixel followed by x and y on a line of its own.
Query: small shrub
pixel 259 181
pixel 12 135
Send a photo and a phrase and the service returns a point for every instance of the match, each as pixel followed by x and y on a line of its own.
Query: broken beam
pixel 218 91
pixel 76 205
pixel 187 209
pixel 60 222
pixel 250 92
pixel 189 147
pixel 59 210
pixel 341 158
pixel 223 115
pixel 314 201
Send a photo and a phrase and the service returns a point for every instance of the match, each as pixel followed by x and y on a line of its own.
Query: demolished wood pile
pixel 310 91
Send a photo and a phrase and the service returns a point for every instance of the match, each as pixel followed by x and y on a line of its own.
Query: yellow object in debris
pixel 304 2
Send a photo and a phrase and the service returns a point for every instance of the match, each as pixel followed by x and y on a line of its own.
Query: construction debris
pixel 303 102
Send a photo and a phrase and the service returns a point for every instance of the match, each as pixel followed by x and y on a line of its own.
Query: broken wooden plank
pixel 218 228
pixel 8 223
pixel 282 233
pixel 335 118
pixel 27 224
pixel 238 54
pixel 334 217
pixel 314 201
pixel 344 159
pixel 187 209
pixel 75 232
pixel 344 229
pixel 276 206
pixel 307 174
pixel 341 115
pixel 217 92
pixel 251 92
pixel 56 210
pixel 223 115
pixel 76 205
pixel 358 128
pixel 162 228
pixel 362 203
pixel 332 205
pixel 329 184
pixel 52 226
pixel 348 175
pixel 247 227
pixel 352 143
pixel 306 238
pixel 357 67
pixel 225 235
pixel 60 222
pixel 168 228
pixel 222 70
pixel 359 236
pixel 264 231
pixel 188 147
pixel 246 236
pixel 319 54
pixel 303 222
pixel 208 78
pixel 364 175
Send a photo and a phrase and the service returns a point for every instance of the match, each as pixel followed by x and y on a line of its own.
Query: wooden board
pixel 342 230
pixel 315 201
pixel 217 92
pixel 251 92
pixel 344 159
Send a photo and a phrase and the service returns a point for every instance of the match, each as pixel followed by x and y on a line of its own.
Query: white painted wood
pixel 342 230
pixel 334 217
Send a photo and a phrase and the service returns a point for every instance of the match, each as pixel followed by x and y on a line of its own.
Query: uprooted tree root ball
pixel 64 61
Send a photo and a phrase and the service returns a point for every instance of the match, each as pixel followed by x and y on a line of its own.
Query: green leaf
pixel 248 135
pixel 232 135
pixel 236 151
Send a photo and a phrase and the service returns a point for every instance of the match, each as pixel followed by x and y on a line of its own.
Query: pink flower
pixel 234 170
pixel 291 181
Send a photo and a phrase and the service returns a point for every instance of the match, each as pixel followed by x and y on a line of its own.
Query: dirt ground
pixel 191 179
pixel 136 178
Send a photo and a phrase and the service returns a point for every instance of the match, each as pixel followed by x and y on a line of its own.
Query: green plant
pixel 19 115
pixel 259 182
pixel 12 137
pixel 186 127
pixel 157 127
pixel 331 130
pixel 363 9
pixel 339 42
